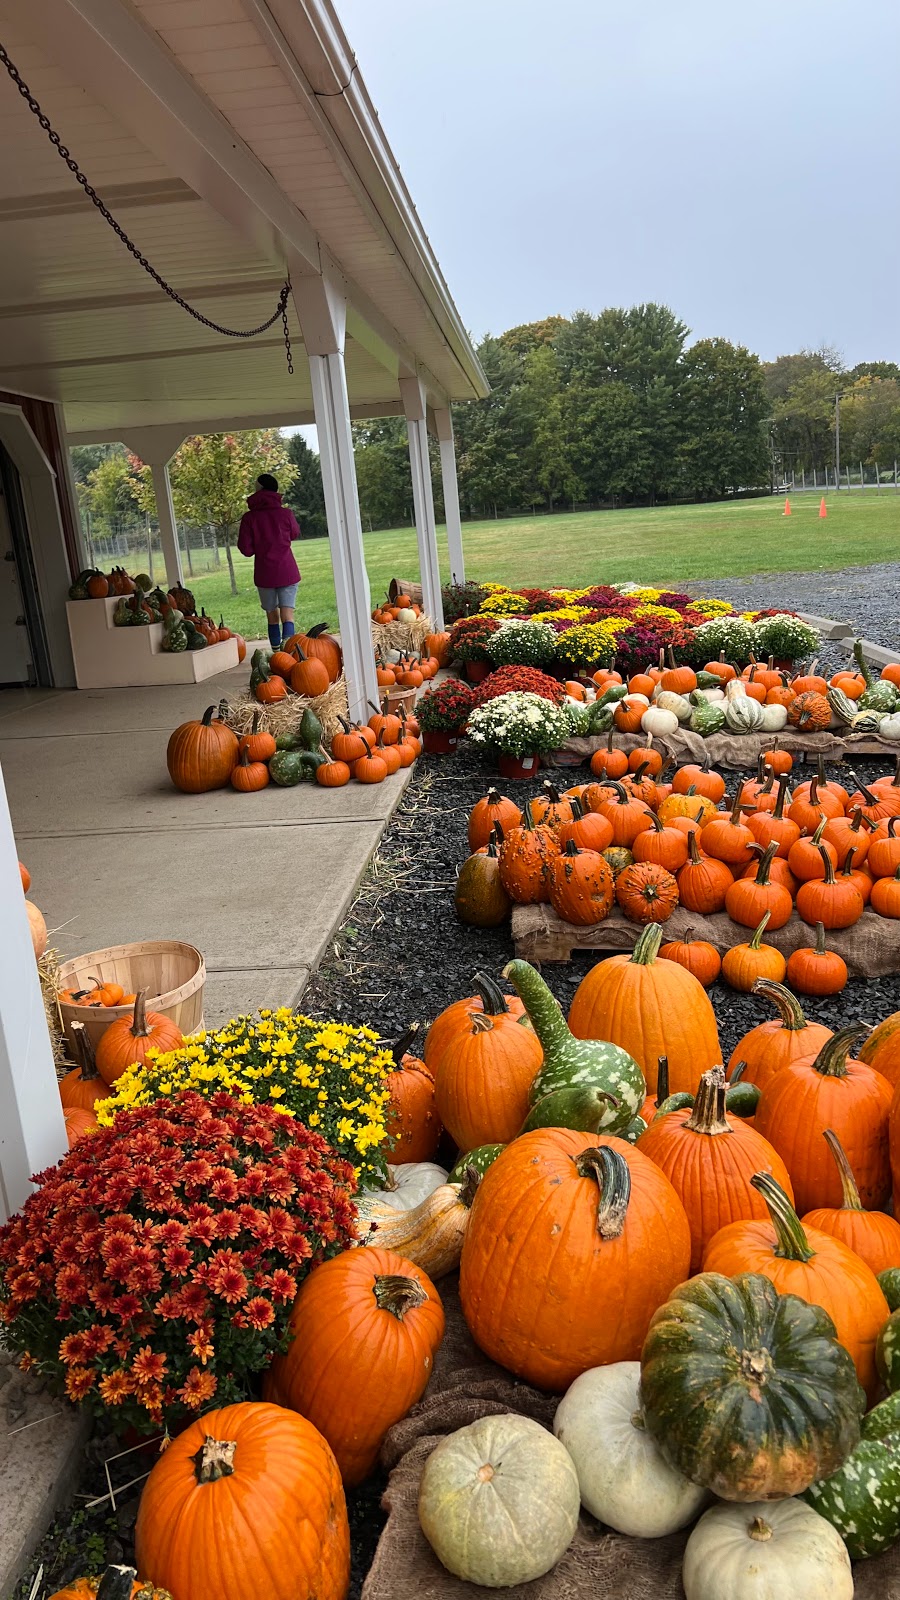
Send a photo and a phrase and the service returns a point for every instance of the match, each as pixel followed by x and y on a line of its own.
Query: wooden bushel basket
pixel 172 973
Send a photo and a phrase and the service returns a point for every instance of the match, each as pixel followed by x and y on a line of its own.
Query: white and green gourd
pixel 743 714
pixel 879 693
pixel 571 1063
pixel 667 700
pixel 767 1548
pixel 707 716
pixel 625 1482
pixel 499 1501
pixel 862 1499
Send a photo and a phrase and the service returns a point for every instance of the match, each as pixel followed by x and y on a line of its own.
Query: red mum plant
pixel 524 680
pixel 470 638
pixel 154 1269
pixel 447 708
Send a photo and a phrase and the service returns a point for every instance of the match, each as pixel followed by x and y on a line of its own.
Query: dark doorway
pixel 24 657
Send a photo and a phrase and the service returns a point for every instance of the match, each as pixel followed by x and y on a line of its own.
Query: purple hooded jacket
pixel 267 529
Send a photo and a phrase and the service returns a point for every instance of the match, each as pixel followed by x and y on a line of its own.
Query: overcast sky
pixel 736 159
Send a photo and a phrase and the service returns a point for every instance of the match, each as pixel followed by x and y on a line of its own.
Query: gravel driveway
pixel 867 597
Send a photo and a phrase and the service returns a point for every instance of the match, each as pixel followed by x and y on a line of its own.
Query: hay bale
pixel 407 637
pixel 285 716
pixel 48 972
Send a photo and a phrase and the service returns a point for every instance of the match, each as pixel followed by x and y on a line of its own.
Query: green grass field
pixel 668 546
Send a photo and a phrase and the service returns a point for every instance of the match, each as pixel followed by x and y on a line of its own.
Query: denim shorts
pixel 284 598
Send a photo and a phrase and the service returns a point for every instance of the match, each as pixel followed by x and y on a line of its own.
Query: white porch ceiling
pixel 81 323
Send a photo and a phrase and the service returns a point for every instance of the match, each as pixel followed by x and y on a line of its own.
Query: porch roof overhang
pixel 235 141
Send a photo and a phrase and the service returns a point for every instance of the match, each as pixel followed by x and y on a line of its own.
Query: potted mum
pixel 783 636
pixel 469 640
pixel 519 642
pixel 519 729
pixel 442 715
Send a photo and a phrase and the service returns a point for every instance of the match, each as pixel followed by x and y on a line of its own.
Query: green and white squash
pixel 633 1132
pixel 482 1157
pixel 843 709
pixel 499 1501
pixel 879 694
pixel 867 721
pixel 862 1499
pixel 624 1480
pixel 774 718
pixel 889 1282
pixel 889 726
pixel 747 1391
pixel 579 1106
pixel 612 695
pixel 887 1353
pixel 766 1552
pixel 883 1419
pixel 601 719
pixel 707 718
pixel 570 1062
pixel 743 714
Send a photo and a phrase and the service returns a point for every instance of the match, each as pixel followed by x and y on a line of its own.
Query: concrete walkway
pixel 257 882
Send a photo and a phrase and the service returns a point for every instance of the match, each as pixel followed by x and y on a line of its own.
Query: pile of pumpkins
pixel 306 664
pixel 633 840
pixel 123 1042
pixel 140 603
pixel 407 671
pixel 612 1160
pixel 36 921
pixel 761 699
pixel 207 754
pixel 401 609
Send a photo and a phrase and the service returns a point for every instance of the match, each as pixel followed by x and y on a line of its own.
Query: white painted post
pixel 443 422
pixel 412 391
pixel 165 516
pixel 32 1131
pixel 321 306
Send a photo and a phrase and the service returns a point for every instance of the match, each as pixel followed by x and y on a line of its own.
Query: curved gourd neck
pixel 543 1008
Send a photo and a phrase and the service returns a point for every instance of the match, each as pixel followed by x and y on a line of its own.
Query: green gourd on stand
pixel 174 639
pixel 572 1064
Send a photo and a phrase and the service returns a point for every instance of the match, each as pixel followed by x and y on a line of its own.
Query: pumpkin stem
pixel 116 1584
pixel 215 1459
pixel 759 1529
pixel 737 1074
pixel 83 1051
pixel 820 938
pixel 610 1170
pixel 398 1294
pixel 829 864
pixel 400 1047
pixel 778 812
pixel 756 941
pixel 139 1027
pixel 693 849
pixel 765 862
pixel 471 1180
pixel 662 1080
pixel 481 1023
pixel 208 715
pixel 850 1200
pixel 791 1243
pixel 867 794
pixel 493 1000
pixel 736 807
pixel 647 945
pixel 708 1115
pixel 831 1061
pixel 786 1004
pixel 862 663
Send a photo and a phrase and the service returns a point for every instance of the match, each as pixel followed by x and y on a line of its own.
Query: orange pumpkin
pixel 78 1122
pixel 580 885
pixel 563 1222
pixel 200 755
pixel 697 956
pixel 234 1488
pixel 484 1056
pixel 881 1050
pixel 771 1046
pixel 270 690
pixel 81 1088
pixel 127 1040
pixel 646 892
pixel 117 1583
pixel 258 743
pixel 525 858
pixel 282 662
pixel 25 876
pixel 495 807
pixel 413 1124
pixel 609 763
pixel 871 1235
pixel 309 676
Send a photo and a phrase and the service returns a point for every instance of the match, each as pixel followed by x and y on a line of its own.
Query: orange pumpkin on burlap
pixel 484 1056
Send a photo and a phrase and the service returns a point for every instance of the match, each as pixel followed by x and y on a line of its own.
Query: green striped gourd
pixel 879 694
pixel 570 1062
pixel 482 1157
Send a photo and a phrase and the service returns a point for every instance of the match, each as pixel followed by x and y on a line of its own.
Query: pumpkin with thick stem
pixel 550 808
pixel 810 712
pixel 484 1062
pixel 812 1265
pixel 247 776
pixel 743 964
pixel 709 1162
pixel 697 956
pixel 81 1088
pixel 610 763
pixel 703 882
pixel 200 755
pixel 885 896
pixel 687 807
pixel 127 1040
pixel 364 1331
pixel 479 897
pixel 590 1220
pixel 317 645
pixel 746 1390
pixel 413 1124
pixel 650 1008
pixel 235 1486
pixel 772 1045
pixel 495 807
pixel 117 1583
pixel 581 886
pixel 748 899
pixel 569 1062
pixel 872 1235
pixel 835 902
pixel 525 857
pixel 830 1090
pixel 806 860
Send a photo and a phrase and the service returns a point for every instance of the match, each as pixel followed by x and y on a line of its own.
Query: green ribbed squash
pixel 743 714
pixel 843 707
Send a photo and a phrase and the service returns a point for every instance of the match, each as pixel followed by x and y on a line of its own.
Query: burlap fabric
pixel 871 948
pixel 598 1565
pixel 732 749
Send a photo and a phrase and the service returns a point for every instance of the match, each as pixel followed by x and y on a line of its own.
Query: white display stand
pixel 107 657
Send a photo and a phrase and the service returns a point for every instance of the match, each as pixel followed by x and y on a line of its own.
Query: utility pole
pixel 837 439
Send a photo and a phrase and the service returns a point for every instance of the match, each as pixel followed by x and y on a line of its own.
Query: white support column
pixel 322 309
pixel 32 1131
pixel 412 391
pixel 443 422
pixel 156 447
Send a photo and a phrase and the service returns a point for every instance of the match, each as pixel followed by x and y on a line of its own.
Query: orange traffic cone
pixel 787 507
pixel 822 507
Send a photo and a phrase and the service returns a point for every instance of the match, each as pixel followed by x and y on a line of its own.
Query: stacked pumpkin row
pixel 307 664
pixel 648 846
pixel 761 699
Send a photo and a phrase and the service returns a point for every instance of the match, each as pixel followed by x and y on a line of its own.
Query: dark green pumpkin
pixel 581 1107
pixel 482 1157
pixel 289 741
pixel 290 767
pixel 862 1499
pixel 890 1286
pixel 887 1353
pixel 747 1391
pixel 633 1131
pixel 883 1419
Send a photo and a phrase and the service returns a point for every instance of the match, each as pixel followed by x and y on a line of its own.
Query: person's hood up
pixel 264 500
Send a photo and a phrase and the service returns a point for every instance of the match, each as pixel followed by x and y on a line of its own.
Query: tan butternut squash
pixel 431 1234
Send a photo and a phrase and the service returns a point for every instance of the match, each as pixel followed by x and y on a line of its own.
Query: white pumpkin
pixel 499 1501
pixel 774 718
pixel 623 1478
pixel 407 1186
pixel 407 615
pixel 659 723
pixel 889 726
pixel 771 1548
pixel 633 700
pixel 667 700
pixel 712 695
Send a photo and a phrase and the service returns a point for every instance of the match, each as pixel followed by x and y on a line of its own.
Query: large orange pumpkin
pixel 413 1123
pixel 812 1265
pixel 574 1240
pixel 127 1040
pixel 247 1500
pixel 200 755
pixel 709 1161
pixel 881 1049
pixel 484 1055
pixel 318 645
pixel 525 857
pixel 493 808
pixel 651 1008
pixel 775 1044
pixel 365 1327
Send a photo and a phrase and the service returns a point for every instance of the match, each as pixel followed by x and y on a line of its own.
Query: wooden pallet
pixel 871 948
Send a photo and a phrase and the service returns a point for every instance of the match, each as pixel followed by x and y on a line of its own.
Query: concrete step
pixel 827 626
pixel 876 653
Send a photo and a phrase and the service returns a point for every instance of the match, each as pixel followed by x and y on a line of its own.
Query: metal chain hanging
pixel 90 191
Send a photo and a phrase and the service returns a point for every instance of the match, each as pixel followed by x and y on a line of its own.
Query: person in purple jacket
pixel 267 528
